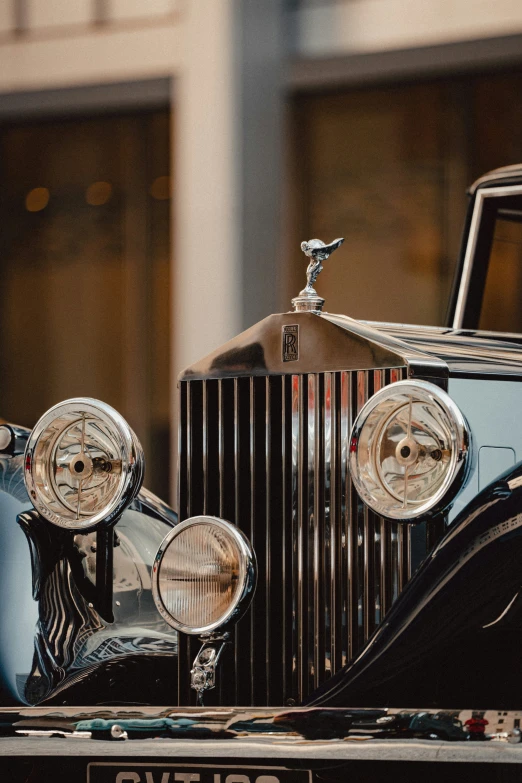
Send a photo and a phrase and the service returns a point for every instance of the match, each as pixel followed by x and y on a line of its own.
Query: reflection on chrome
pixel 283 727
pixel 203 672
pixel 83 464
pixel 93 599
pixel 204 575
pixel 408 445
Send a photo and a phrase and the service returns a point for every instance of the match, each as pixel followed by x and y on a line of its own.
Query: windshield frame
pixel 472 279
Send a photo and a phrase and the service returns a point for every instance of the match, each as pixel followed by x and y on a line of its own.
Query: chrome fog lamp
pixel 408 445
pixel 83 464
pixel 203 575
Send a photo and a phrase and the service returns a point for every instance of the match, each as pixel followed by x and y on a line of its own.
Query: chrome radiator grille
pixel 270 454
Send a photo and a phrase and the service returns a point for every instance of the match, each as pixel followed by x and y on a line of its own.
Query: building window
pixel 387 168
pixel 84 271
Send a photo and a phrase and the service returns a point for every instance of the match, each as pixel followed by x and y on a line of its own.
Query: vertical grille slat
pixel 268 539
pixel 238 454
pixel 347 559
pixel 221 435
pixel 379 380
pixel 243 518
pixel 270 454
pixel 312 537
pixel 275 546
pixel 320 609
pixel 302 534
pixel 183 449
pixel 204 450
pixel 328 617
pixel 286 554
pixel 294 578
pixel 361 534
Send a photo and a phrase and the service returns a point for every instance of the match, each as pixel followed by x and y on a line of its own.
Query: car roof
pixel 507 175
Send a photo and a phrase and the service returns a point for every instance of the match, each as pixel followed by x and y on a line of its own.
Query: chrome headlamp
pixel 204 575
pixel 83 464
pixel 408 445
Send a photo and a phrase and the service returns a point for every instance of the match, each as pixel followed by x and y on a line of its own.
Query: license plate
pixel 116 772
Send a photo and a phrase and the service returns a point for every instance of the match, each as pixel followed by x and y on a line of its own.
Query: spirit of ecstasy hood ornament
pixel 316 250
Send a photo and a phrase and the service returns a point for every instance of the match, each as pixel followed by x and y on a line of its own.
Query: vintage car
pixel 347 544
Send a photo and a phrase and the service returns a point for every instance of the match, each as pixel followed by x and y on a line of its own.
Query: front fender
pixel 453 636
pixel 66 634
pixel 18 610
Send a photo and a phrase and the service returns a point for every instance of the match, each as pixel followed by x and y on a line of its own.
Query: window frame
pixel 472 277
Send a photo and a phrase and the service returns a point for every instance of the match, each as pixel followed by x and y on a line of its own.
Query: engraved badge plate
pixel 291 343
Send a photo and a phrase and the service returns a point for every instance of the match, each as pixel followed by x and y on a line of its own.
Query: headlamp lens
pixel 203 571
pixel 83 464
pixel 408 444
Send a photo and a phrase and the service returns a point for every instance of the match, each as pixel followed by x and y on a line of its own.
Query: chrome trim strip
pixel 204 432
pixel 237 489
pixel 315 635
pixel 252 519
pixel 285 523
pixel 346 508
pixel 363 535
pixel 354 523
pixel 268 543
pixel 336 526
pixel 395 559
pixel 400 558
pixel 501 173
pixel 383 550
pixel 221 449
pixel 237 486
pixel 277 732
pixel 379 381
pixel 189 450
pixel 301 529
pixel 329 548
pixel 181 490
pixel 296 536
pixel 469 256
pixel 310 542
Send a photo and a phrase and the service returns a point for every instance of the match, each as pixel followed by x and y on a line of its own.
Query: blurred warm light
pixel 160 188
pixel 98 193
pixel 37 199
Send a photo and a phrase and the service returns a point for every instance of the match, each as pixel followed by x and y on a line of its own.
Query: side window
pixel 502 302
pixel 490 287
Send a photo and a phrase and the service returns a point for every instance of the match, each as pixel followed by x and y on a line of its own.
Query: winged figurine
pixel 317 251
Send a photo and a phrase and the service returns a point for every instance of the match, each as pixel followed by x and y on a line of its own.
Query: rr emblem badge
pixel 291 343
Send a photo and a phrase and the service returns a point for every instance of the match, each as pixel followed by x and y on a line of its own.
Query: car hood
pixel 465 352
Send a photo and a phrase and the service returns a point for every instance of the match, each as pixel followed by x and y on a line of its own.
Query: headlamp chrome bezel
pixel 132 463
pixel 423 391
pixel 245 591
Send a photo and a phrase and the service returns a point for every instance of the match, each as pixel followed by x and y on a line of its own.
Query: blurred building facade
pixel 162 160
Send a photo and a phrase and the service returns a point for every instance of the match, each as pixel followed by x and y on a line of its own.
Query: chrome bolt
pixel 6 436
pixel 117 732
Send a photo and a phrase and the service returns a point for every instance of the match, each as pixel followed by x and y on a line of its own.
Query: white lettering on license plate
pixel 142 772
pixel 148 776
